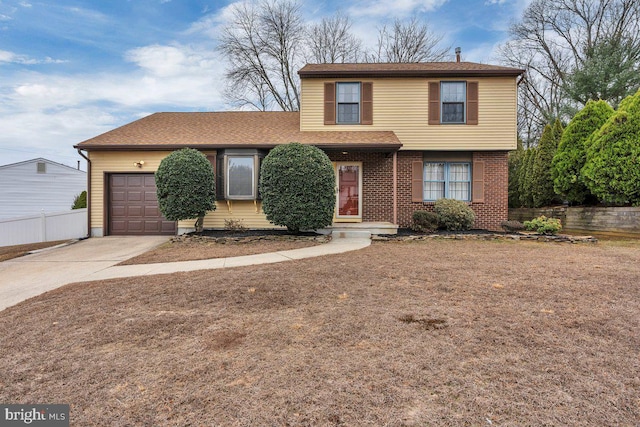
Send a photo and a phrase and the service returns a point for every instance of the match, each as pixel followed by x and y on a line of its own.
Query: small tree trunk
pixel 199 225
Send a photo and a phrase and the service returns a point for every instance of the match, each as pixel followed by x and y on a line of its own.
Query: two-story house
pixel 400 135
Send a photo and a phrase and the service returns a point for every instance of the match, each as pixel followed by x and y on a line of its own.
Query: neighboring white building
pixel 33 186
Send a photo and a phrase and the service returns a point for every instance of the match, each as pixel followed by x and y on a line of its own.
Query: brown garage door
pixel 133 206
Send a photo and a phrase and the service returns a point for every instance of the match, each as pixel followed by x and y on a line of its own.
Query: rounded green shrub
pixel 186 186
pixel 424 221
pixel 454 215
pixel 543 225
pixel 612 169
pixel 572 151
pixel 297 185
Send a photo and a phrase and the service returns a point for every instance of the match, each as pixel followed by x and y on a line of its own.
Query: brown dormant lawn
pixel 188 248
pixel 431 333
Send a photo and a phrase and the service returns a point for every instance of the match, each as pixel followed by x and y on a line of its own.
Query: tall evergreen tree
pixel 542 175
pixel 571 155
pixel 612 169
pixel 515 165
pixel 525 176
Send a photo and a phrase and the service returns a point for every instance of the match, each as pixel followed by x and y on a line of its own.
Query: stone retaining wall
pixel 560 238
pixel 605 220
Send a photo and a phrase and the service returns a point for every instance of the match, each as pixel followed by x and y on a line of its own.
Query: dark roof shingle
pixel 230 129
pixel 416 69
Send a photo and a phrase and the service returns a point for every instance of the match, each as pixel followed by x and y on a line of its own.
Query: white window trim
pixel 227 181
pixel 359 103
pixel 336 214
pixel 464 103
pixel 447 181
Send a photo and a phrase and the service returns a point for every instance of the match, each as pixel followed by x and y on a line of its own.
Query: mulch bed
pixel 221 244
pixel 436 332
pixel 408 235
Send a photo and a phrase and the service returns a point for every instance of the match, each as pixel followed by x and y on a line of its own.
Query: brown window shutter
pixel 477 191
pixel 434 103
pixel 329 103
pixel 212 160
pixel 472 103
pixel 416 181
pixel 219 170
pixel 367 103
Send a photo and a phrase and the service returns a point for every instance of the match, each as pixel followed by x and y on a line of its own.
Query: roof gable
pixel 41 160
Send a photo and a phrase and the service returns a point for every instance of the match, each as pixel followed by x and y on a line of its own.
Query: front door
pixel 349 197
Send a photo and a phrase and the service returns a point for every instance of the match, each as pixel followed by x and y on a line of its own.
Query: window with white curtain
pixel 447 179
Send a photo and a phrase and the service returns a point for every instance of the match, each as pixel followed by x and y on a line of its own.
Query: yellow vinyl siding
pixel 401 105
pixel 247 211
pixel 104 162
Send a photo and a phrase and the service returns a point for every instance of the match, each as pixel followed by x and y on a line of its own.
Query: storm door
pixel 349 197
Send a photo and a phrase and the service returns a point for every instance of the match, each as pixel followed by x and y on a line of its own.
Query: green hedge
pixel 297 185
pixel 186 186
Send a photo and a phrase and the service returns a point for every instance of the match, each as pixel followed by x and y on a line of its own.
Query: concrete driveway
pixel 28 276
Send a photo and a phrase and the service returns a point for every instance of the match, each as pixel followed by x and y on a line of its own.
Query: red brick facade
pixel 377 183
pixel 377 200
pixel 495 208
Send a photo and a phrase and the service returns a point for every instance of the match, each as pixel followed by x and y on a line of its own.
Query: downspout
pixel 395 187
pixel 88 192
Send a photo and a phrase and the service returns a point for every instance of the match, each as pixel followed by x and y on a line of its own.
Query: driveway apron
pixel 28 276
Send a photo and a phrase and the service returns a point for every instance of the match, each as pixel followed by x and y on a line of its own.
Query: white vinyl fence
pixel 45 227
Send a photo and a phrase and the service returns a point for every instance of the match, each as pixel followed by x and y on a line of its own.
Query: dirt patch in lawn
pixel 10 252
pixel 194 247
pixel 397 334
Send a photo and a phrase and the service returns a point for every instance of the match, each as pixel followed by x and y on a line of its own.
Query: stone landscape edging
pixel 560 238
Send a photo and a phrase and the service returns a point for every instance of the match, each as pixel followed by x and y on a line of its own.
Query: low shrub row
pixel 448 214
pixel 455 215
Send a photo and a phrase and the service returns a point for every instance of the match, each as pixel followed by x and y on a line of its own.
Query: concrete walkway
pixel 96 259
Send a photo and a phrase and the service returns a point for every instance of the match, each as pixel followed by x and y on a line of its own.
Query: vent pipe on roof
pixel 458 50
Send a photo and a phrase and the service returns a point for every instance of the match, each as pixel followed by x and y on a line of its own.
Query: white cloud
pixel 397 8
pixel 10 57
pixel 166 75
pixel 167 61
pixel 45 114
pixel 211 24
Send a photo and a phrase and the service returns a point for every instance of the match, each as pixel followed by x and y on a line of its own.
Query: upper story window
pixel 453 98
pixel 348 103
pixel 453 102
pixel 348 111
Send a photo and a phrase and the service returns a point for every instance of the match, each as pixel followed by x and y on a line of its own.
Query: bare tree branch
pixel 560 42
pixel 261 45
pixel 409 41
pixel 330 41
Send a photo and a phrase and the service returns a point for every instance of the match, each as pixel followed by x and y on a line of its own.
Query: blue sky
pixel 72 69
